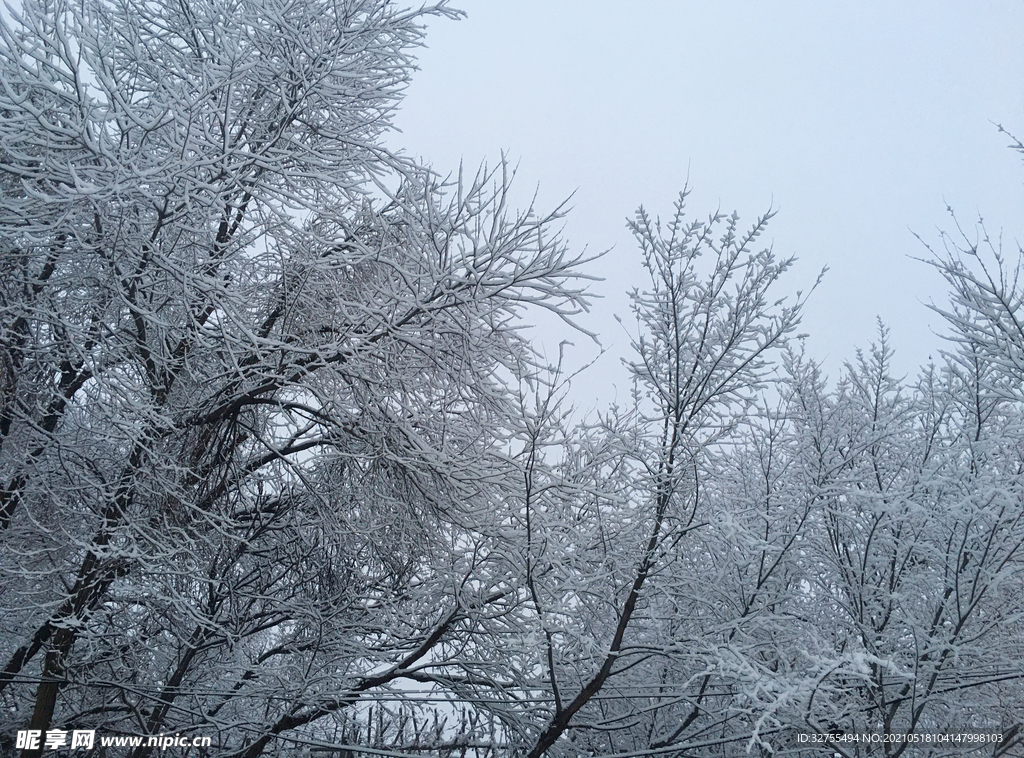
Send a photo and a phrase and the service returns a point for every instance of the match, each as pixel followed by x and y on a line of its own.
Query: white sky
pixel 857 121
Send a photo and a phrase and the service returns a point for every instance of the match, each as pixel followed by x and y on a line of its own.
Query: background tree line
pixel 277 464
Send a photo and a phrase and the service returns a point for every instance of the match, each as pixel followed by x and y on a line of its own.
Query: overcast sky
pixel 857 121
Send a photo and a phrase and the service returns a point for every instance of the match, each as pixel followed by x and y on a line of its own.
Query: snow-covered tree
pixel 706 330
pixel 253 372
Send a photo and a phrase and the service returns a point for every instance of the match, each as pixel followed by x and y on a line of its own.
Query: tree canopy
pixel 279 466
